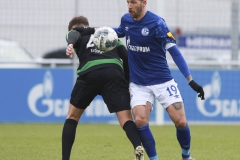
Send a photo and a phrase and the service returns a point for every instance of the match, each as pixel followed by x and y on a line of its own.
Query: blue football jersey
pixel 145 41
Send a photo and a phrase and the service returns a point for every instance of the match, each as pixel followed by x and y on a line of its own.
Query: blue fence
pixel 222 96
pixel 34 95
pixel 42 95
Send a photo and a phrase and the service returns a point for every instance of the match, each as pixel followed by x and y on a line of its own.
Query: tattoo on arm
pixel 178 105
pixel 189 78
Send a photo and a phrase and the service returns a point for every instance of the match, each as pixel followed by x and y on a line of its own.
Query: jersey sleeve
pixel 163 34
pixel 119 30
pixel 73 37
pixel 179 60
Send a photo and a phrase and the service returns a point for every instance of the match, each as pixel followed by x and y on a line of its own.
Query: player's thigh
pixel 115 91
pixel 167 93
pixel 84 91
pixel 140 95
pixel 177 113
pixel 141 113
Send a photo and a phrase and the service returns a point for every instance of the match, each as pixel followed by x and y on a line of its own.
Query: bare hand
pixel 70 50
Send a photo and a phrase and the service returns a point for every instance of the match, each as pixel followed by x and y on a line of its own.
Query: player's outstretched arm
pixel 72 38
pixel 85 30
pixel 183 67
pixel 123 54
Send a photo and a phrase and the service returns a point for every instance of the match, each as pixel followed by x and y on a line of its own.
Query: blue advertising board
pixel 42 95
pixel 222 96
pixel 34 95
pixel 205 42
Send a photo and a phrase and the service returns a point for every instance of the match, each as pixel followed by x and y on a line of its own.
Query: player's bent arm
pixel 182 65
pixel 119 31
pixel 123 54
pixel 72 37
pixel 85 30
pixel 179 60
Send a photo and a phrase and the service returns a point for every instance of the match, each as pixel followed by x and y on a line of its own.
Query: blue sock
pixel 148 141
pixel 184 138
pixel 154 158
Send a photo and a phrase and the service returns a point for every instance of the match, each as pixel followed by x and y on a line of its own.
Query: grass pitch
pixel 109 142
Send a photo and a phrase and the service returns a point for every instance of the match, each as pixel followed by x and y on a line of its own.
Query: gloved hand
pixel 85 30
pixel 196 87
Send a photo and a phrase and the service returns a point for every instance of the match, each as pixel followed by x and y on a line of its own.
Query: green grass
pixel 108 142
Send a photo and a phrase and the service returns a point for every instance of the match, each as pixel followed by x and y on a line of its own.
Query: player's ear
pixel 144 2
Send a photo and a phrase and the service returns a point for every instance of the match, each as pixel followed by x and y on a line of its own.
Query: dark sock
pixel 184 138
pixel 132 133
pixel 68 137
pixel 147 140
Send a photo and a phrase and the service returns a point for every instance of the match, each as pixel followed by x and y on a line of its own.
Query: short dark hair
pixel 79 21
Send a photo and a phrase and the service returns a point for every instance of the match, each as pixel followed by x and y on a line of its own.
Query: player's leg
pixel 170 98
pixel 126 122
pixel 82 95
pixel 177 114
pixel 69 130
pixel 141 102
pixel 116 95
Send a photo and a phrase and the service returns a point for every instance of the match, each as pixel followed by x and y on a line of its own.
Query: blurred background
pixel 37 77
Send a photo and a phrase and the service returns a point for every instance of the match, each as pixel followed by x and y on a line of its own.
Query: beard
pixel 137 13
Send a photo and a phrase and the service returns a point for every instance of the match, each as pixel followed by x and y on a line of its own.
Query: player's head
pixel 78 21
pixel 137 8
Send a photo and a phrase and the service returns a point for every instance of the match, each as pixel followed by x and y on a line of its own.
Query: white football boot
pixel 139 153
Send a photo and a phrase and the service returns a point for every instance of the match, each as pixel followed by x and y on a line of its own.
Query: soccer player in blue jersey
pixel 147 40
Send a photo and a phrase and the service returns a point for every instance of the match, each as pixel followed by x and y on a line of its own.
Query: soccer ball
pixel 105 39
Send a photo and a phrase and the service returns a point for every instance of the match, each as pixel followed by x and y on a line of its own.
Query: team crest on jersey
pixel 170 35
pixel 145 31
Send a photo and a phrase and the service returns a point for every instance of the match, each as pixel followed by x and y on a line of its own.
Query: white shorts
pixel 166 93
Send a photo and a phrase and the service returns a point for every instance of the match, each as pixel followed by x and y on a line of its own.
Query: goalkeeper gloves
pixel 196 87
pixel 85 30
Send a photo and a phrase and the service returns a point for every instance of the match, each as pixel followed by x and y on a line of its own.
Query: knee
pixel 140 121
pixel 75 117
pixel 181 123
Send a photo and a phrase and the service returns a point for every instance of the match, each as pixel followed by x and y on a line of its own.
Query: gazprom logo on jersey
pixel 48 105
pixel 214 105
pixel 137 48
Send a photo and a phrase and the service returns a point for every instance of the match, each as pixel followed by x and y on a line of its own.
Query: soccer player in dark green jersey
pixel 100 73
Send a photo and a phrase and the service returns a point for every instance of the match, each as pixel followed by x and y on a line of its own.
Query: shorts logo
pixel 145 31
pixel 176 96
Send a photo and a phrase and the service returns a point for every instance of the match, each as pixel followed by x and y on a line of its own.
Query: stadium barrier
pixel 42 95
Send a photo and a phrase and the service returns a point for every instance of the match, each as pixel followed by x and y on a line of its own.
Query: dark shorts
pixel 107 82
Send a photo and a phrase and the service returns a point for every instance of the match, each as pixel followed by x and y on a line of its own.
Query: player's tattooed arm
pixel 189 78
